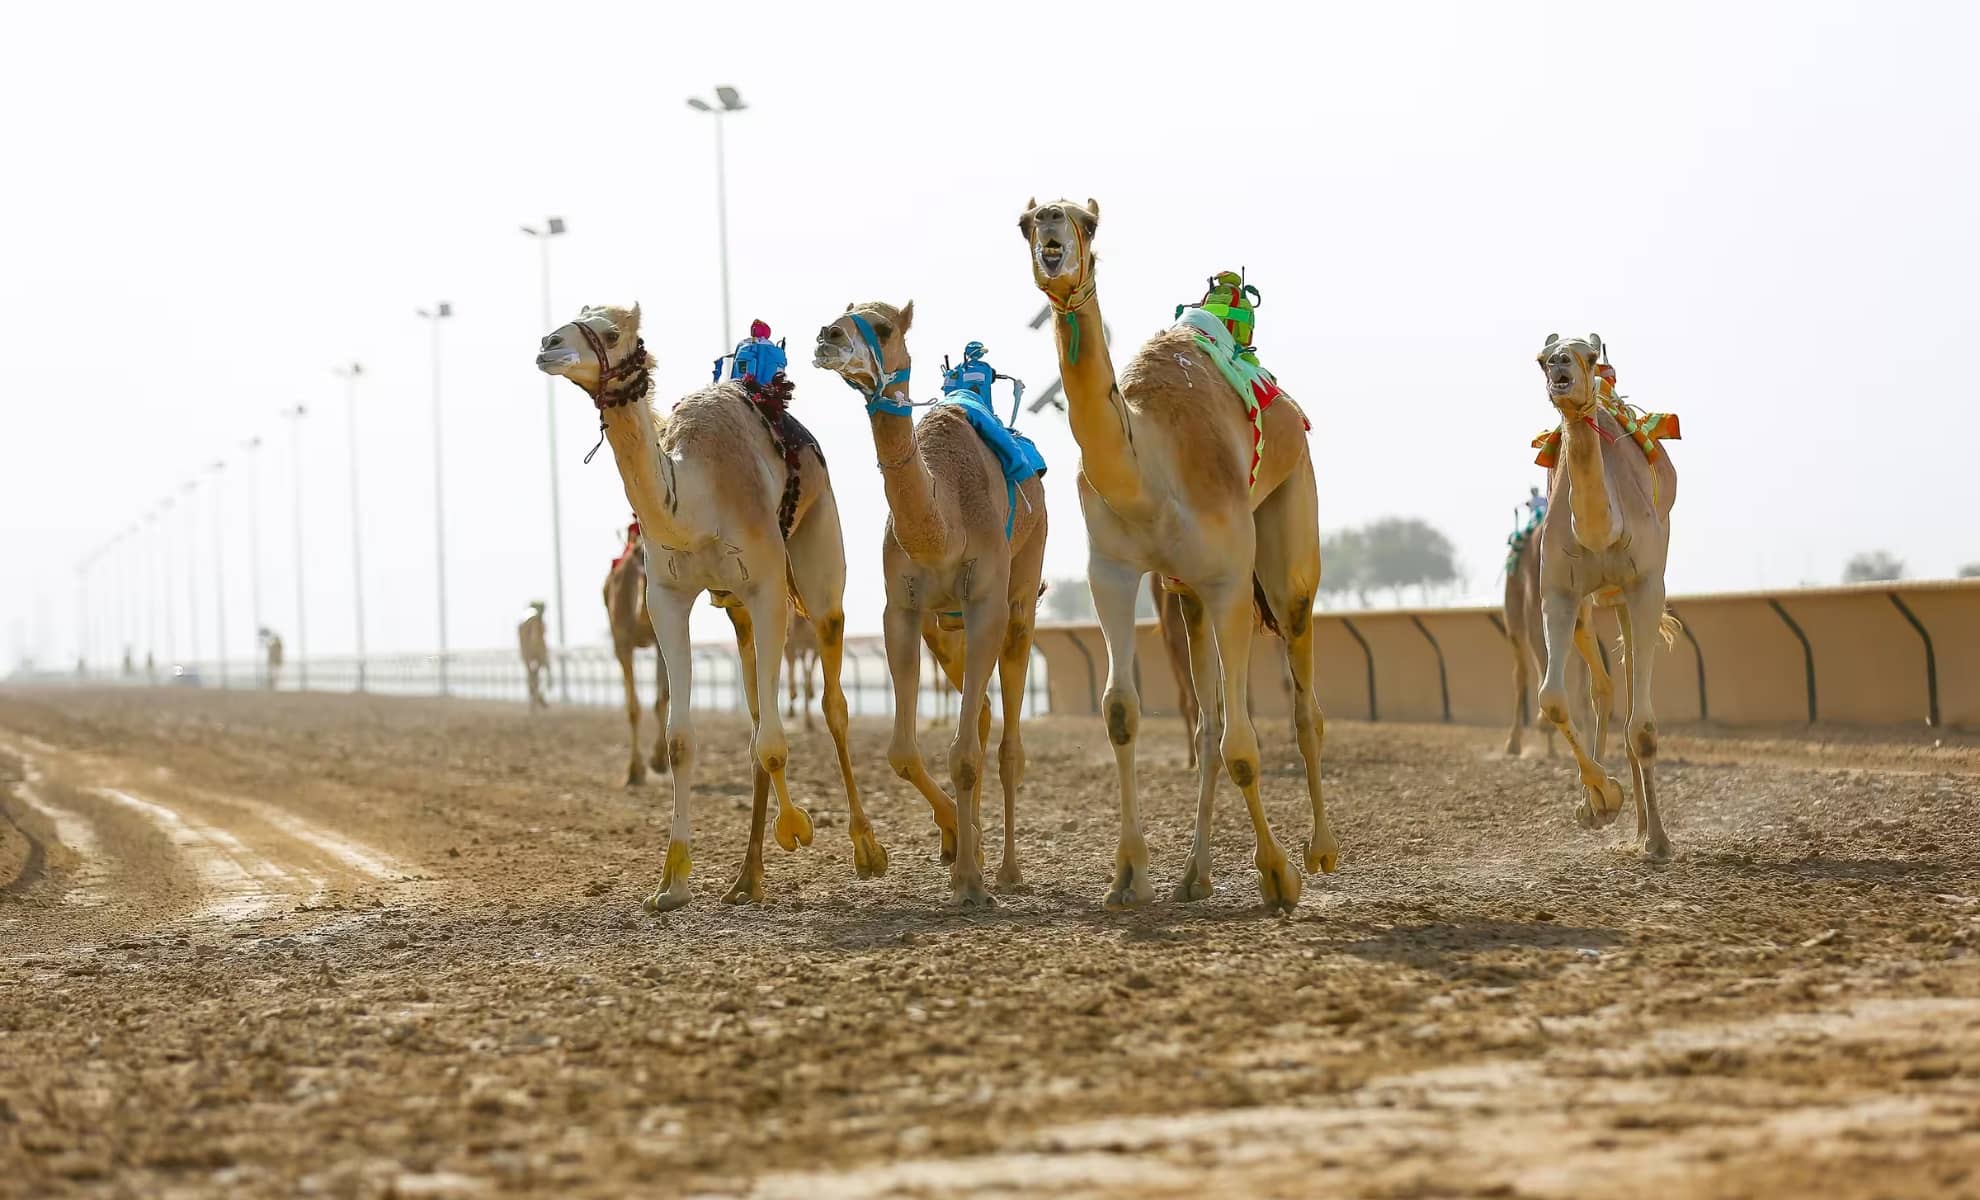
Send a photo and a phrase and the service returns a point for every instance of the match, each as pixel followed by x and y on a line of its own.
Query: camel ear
pixel 1088 220
pixel 634 315
pixel 1551 339
pixel 1093 206
pixel 849 306
pixel 907 317
pixel 1595 340
pixel 1027 221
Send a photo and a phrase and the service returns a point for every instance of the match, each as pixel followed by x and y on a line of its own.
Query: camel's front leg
pixel 660 707
pixel 669 611
pixel 1278 881
pixel 903 636
pixel 1207 679
pixel 1114 587
pixel 636 769
pixel 1601 793
pixel 768 746
pixel 748 887
pixel 1012 668
pixel 1521 682
pixel 1601 689
pixel 986 618
pixel 1641 623
pixel 1323 852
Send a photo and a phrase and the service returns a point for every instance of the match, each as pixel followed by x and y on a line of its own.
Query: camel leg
pixel 903 636
pixel 669 610
pixel 1206 678
pixel 1287 566
pixel 1114 586
pixel 1641 619
pixel 1175 642
pixel 768 745
pixel 1601 793
pixel 986 619
pixel 636 769
pixel 869 856
pixel 748 887
pixel 1278 881
pixel 809 662
pixel 1011 671
pixel 790 702
pixel 1521 682
pixel 1601 690
pixel 660 707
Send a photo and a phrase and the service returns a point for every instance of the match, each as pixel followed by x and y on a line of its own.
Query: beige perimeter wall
pixel 1904 654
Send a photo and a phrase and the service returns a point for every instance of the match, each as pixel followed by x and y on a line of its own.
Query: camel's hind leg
pixel 1601 792
pixel 1175 643
pixel 903 637
pixel 1641 620
pixel 1287 563
pixel 769 610
pixel 1114 587
pixel 1231 611
pixel 748 887
pixel 986 621
pixel 1206 676
pixel 1601 689
pixel 1522 682
pixel 636 769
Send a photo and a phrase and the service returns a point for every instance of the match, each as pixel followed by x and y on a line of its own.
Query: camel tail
pixel 1264 607
pixel 1668 628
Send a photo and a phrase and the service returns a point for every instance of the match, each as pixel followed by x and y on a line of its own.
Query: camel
pixel 1588 672
pixel 711 486
pixel 535 653
pixel 958 539
pixel 1605 538
pixel 1168 484
pixel 632 629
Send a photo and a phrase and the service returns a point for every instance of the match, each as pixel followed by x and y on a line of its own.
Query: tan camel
pixel 1166 484
pixel 957 541
pixel 1588 671
pixel 535 653
pixel 1605 537
pixel 707 483
pixel 271 647
pixel 632 630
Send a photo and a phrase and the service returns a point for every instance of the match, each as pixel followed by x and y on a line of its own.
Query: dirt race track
pixel 326 945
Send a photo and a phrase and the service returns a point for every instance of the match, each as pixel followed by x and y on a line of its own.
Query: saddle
pixel 1222 324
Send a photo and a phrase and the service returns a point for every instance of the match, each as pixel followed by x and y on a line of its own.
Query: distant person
pixel 535 652
pixel 271 645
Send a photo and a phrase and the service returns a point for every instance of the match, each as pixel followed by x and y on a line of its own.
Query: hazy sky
pixel 1768 211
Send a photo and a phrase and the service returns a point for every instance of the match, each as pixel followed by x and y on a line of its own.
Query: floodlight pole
pixel 553 227
pixel 219 576
pixel 296 415
pixel 439 312
pixel 726 101
pixel 350 376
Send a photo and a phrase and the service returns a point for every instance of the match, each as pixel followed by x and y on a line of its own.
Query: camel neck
pixel 909 485
pixel 1095 407
pixel 1597 524
pixel 629 428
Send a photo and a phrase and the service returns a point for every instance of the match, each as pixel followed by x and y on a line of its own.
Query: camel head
pixel 842 346
pixel 1571 366
pixel 1061 238
pixel 601 345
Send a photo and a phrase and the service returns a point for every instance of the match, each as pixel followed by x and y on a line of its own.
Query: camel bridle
pixel 632 367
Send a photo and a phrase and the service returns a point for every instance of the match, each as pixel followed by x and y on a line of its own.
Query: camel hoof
pixel 1010 879
pixel 1599 809
pixel 869 856
pixel 667 901
pixel 748 887
pixel 793 828
pixel 659 762
pixel 1278 883
pixel 948 844
pixel 1132 888
pixel 1195 884
pixel 1657 851
pixel 968 892
pixel 1323 853
pixel 1513 748
pixel 636 774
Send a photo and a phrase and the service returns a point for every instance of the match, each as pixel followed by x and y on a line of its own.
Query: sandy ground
pixel 347 947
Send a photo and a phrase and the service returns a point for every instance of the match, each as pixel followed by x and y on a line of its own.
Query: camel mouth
pixel 556 362
pixel 1560 382
pixel 830 358
pixel 1051 255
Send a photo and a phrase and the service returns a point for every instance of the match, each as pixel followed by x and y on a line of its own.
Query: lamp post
pixel 166 578
pixel 296 415
pixel 187 489
pixel 726 101
pixel 350 376
pixel 553 227
pixel 251 446
pixel 151 605
pixel 433 317
pixel 219 576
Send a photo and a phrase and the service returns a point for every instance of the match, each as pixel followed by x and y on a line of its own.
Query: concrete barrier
pixel 1887 654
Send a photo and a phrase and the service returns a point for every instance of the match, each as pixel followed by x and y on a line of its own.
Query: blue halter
pixel 876 400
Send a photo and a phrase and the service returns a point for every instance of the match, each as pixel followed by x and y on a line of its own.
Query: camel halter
pixel 876 400
pixel 1079 296
pixel 632 366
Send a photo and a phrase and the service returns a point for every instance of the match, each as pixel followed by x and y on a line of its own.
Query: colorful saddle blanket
pixel 1645 429
pixel 1253 383
pixel 1015 453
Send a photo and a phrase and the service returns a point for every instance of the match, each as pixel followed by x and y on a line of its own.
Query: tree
pixel 1401 551
pixel 1068 600
pixel 1970 571
pixel 1871 566
pixel 1344 565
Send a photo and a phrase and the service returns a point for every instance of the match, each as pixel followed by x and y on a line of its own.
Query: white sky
pixel 1768 210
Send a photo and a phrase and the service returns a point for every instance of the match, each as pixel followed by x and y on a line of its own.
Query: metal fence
pixel 587 676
